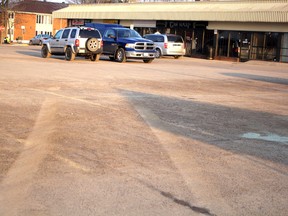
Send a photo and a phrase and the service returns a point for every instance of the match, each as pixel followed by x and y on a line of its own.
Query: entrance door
pixel 244 44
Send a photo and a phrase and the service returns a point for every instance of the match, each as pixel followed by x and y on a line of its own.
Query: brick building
pixel 28 18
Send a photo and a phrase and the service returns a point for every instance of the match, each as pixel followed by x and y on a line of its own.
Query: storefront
pixel 237 31
pixel 194 33
pixel 250 41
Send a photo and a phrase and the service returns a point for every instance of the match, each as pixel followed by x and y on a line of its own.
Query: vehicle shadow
pixel 34 52
pixel 225 127
pixel 37 53
pixel 275 80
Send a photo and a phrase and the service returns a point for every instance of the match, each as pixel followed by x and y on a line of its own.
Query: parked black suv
pixel 74 41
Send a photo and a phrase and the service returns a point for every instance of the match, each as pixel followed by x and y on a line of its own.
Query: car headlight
pixel 130 45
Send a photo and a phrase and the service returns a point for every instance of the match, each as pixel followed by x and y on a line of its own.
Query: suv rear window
pixel 89 33
pixel 175 38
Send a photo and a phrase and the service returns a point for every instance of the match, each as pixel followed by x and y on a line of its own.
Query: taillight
pixel 165 45
pixel 101 43
pixel 77 43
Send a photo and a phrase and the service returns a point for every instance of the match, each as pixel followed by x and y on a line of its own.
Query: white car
pixel 38 39
pixel 167 44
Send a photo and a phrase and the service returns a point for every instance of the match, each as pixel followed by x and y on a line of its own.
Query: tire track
pixel 14 188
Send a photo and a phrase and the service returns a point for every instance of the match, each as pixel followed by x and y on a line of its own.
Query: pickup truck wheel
pixel 147 60
pixel 120 55
pixel 95 57
pixel 69 55
pixel 45 52
pixel 92 44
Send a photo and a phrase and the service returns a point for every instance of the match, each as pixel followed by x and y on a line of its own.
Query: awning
pixel 138 23
pixel 246 11
pixel 260 27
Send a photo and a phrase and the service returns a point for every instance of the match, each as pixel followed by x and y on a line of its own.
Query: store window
pixel 232 44
pixel 271 46
pixel 265 46
pixel 284 48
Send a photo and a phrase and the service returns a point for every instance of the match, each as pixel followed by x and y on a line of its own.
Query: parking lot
pixel 175 137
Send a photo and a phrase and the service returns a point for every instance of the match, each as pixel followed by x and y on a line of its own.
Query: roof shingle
pixel 37 6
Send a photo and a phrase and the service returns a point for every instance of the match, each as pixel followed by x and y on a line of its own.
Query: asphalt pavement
pixel 175 137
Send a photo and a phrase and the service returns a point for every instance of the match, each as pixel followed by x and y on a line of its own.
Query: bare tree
pixel 7 18
pixel 4 18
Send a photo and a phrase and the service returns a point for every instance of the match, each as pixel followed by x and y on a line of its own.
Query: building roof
pixel 237 11
pixel 37 6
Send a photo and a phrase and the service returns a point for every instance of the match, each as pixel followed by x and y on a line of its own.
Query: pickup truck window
pixel 110 33
pixel 127 33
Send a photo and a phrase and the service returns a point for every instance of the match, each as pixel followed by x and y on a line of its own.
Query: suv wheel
pixel 45 52
pixel 69 55
pixel 92 44
pixel 120 55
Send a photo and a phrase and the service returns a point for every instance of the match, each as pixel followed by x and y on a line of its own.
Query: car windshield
pixel 127 33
